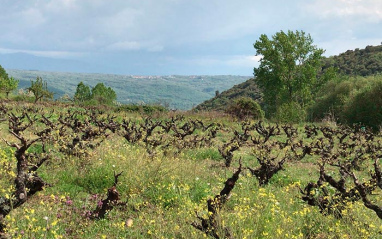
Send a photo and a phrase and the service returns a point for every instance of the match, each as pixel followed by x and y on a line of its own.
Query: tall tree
pixel 83 93
pixel 39 88
pixel 8 85
pixel 288 70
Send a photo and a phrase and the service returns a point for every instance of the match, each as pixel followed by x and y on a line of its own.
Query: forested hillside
pixel 358 62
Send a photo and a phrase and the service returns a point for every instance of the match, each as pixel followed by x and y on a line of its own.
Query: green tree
pixel 103 94
pixel 83 93
pixel 8 85
pixel 39 88
pixel 3 73
pixel 288 70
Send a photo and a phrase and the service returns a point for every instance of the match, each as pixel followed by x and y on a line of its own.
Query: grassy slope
pixel 181 92
pixel 163 193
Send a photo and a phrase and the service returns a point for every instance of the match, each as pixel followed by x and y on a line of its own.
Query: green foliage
pixel 350 100
pixel 92 182
pixel 291 112
pixel 83 93
pixel 358 62
pixel 365 108
pixel 3 73
pixel 199 191
pixel 39 88
pixel 288 70
pixel 204 153
pixel 8 85
pixel 244 108
pixel 98 95
pixel 103 94
pixel 333 97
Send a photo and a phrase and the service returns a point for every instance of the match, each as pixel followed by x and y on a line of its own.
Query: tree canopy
pixel 103 94
pixel 358 62
pixel 39 88
pixel 8 85
pixel 98 94
pixel 288 70
pixel 3 73
pixel 83 93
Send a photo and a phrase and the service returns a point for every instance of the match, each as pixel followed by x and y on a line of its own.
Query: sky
pixel 178 37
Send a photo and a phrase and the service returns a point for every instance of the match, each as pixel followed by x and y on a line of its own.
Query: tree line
pixel 99 94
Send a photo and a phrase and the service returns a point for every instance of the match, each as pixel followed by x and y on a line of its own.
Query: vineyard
pixel 70 172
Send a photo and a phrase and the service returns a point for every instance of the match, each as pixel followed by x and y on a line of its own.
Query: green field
pixel 171 165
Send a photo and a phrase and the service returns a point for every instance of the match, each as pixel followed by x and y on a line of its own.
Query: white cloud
pixel 198 32
pixel 53 54
pixel 134 46
pixel 370 10
pixel 119 23
pixel 61 5
pixel 155 48
pixel 124 46
pixel 243 61
pixel 33 17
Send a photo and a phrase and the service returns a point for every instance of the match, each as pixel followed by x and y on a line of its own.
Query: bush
pixel 331 101
pixel 334 97
pixel 352 101
pixel 290 113
pixel 366 107
pixel 244 108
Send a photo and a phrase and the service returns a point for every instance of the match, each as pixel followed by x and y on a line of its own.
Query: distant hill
pixel 178 92
pixel 358 62
pixel 220 101
pixel 361 62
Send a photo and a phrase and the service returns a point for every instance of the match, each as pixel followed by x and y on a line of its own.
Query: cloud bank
pixel 179 36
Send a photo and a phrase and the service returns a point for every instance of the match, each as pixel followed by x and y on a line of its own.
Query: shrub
pixel 331 101
pixel 357 100
pixel 291 112
pixel 366 107
pixel 244 108
pixel 336 95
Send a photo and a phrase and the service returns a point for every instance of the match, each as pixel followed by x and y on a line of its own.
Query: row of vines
pixel 346 159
